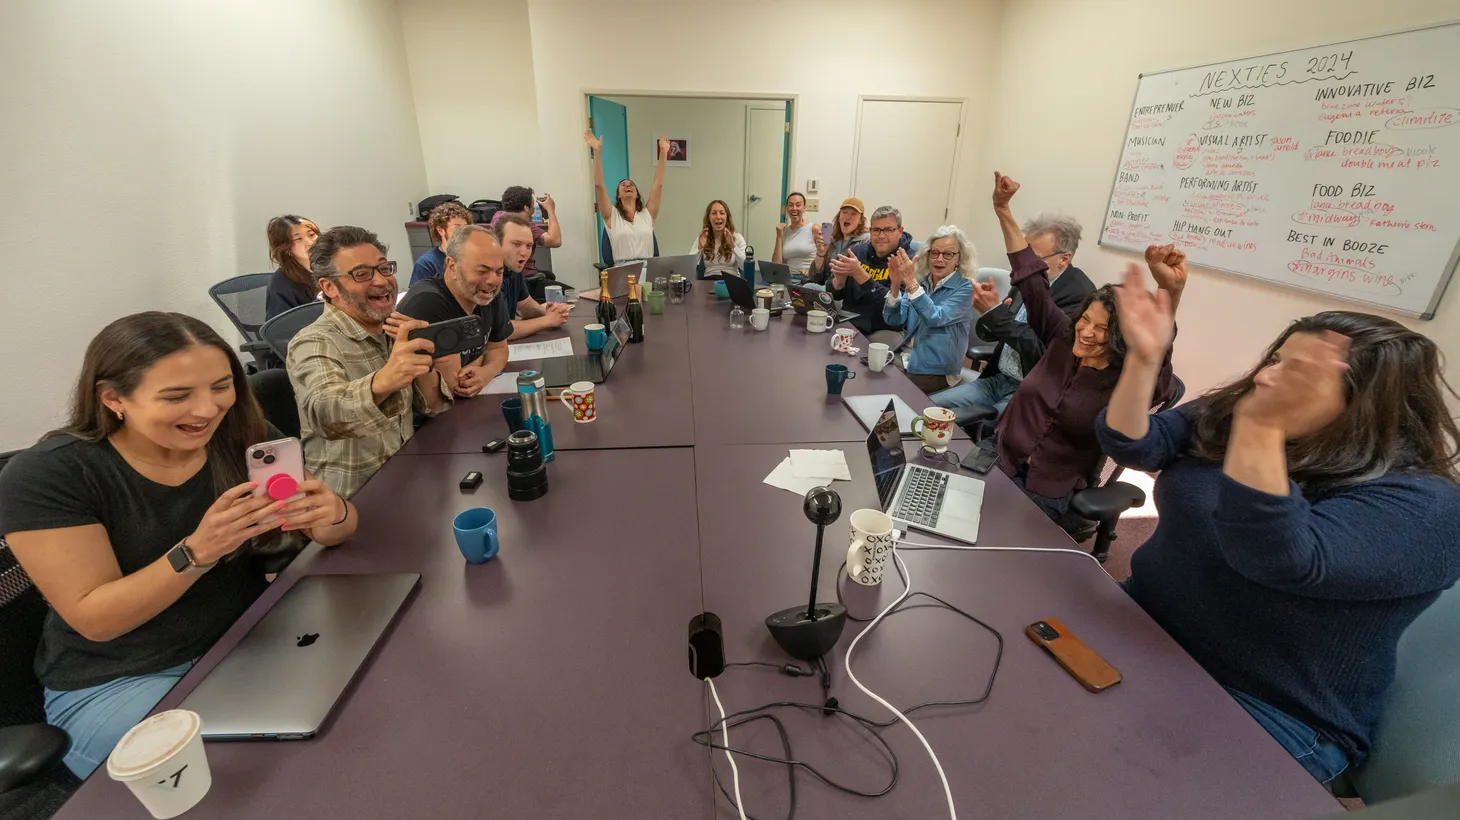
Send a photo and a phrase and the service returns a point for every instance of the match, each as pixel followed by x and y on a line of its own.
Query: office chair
pixel 275 395
pixel 1417 740
pixel 979 348
pixel 32 781
pixel 1105 501
pixel 605 250
pixel 277 331
pixel 243 299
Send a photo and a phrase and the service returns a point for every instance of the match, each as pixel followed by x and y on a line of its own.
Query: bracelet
pixel 346 516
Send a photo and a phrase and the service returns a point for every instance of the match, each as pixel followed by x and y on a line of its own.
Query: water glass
pixel 737 319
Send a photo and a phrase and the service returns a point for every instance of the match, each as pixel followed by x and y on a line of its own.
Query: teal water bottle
pixel 749 269
pixel 531 389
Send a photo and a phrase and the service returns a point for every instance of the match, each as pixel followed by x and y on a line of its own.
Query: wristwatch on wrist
pixel 182 559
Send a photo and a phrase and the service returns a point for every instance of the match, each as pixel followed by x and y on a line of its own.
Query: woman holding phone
pixel 849 228
pixel 628 216
pixel 796 238
pixel 135 521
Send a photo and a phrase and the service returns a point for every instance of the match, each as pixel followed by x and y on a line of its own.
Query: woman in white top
pixel 795 246
pixel 629 218
pixel 722 248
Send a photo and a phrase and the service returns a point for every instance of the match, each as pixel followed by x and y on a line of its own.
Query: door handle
pixel 755 197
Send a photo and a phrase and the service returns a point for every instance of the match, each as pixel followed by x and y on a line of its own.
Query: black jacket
pixel 999 324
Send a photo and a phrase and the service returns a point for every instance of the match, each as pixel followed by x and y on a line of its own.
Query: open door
pixel 610 121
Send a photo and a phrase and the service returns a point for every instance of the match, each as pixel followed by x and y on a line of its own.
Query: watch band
pixel 182 559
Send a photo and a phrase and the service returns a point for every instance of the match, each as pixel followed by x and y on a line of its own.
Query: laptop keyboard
pixel 582 369
pixel 922 496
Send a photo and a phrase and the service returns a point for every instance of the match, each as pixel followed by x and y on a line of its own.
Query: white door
pixel 905 157
pixel 765 145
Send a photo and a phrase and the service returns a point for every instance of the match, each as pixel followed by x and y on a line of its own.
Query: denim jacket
pixel 937 322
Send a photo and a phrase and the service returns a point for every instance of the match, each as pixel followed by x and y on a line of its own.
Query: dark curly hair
pixel 1115 342
pixel 517 199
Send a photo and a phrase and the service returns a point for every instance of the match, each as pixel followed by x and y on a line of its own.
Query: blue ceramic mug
pixel 476 534
pixel 836 376
pixel 595 336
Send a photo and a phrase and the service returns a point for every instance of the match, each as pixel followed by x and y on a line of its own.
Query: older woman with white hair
pixel 931 297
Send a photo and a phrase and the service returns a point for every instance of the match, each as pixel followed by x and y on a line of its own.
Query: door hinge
pixel 958 130
pixel 788 128
pixel 590 123
pixel 945 214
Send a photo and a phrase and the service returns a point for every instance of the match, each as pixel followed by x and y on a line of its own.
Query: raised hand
pixel 548 204
pixel 1004 190
pixel 900 267
pixel 1294 394
pixel 820 242
pixel 663 147
pixel 704 238
pixel 1168 266
pixel 844 266
pixel 986 296
pixel 594 142
pixel 232 520
pixel 1146 319
pixel 781 230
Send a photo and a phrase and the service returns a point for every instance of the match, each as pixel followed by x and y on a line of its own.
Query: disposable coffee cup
pixel 162 761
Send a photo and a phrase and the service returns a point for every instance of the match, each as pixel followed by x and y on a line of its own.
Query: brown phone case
pixel 1079 660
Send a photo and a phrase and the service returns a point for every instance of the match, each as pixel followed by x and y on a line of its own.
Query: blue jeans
pixel 96 718
pixel 1323 758
pixel 994 389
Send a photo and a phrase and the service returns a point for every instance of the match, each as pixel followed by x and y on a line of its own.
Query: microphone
pixel 809 632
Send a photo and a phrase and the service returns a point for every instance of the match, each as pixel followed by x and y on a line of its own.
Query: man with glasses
pixel 354 386
pixel 859 276
pixel 1055 238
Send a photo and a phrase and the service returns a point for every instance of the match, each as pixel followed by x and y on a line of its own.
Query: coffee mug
pixel 512 411
pixel 579 398
pixel 552 293
pixel 844 340
pixel 879 356
pixel 720 289
pixel 870 548
pixel 163 762
pixel 760 318
pixel 836 376
pixel 595 336
pixel 476 534
pixel 817 321
pixel 934 427
pixel 656 301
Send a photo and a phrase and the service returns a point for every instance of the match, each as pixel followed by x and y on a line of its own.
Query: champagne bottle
pixel 635 312
pixel 606 312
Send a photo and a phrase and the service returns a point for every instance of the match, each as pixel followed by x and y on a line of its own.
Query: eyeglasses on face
pixel 886 231
pixel 942 254
pixel 364 273
pixel 1052 255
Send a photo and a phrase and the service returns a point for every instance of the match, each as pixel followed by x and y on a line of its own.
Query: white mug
pixel 163 763
pixel 934 427
pixel 817 321
pixel 870 548
pixel 879 356
pixel 760 318
pixel 842 340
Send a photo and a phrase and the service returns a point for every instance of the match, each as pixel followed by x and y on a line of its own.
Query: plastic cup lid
pixel 152 742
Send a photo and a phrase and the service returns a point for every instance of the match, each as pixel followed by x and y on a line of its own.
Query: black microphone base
pixel 804 639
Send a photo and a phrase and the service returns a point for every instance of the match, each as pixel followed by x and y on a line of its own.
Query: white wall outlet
pixel 811 186
pixel 813 205
pixel 410 208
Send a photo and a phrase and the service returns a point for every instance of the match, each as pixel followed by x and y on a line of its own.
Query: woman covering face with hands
pixel 136 519
pixel 1309 513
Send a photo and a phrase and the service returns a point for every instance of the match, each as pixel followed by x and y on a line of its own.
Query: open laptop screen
pixel 884 448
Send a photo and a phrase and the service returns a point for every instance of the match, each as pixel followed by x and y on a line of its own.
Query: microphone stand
pixel 809 633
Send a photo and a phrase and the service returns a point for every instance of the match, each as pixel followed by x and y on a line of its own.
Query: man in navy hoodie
pixel 859 276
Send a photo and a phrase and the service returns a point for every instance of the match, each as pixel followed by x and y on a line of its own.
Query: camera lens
pixel 269 458
pixel 526 472
pixel 257 454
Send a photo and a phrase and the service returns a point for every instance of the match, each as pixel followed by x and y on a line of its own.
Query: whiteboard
pixel 1332 169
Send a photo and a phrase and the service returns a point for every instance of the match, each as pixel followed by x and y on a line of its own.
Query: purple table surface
pixel 549 682
pixel 1166 743
pixel 769 387
pixel 644 403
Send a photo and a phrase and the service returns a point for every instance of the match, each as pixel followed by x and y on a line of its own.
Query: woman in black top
pixel 135 520
pixel 292 285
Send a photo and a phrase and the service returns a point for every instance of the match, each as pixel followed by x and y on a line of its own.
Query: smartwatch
pixel 181 558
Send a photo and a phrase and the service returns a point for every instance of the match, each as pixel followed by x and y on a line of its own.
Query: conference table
pixel 552 681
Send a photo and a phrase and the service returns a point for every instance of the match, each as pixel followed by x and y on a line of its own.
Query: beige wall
pixel 144 146
pixel 476 103
pixel 823 53
pixel 1069 75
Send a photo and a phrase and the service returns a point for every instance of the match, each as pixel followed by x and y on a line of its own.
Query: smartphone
pixel 983 461
pixel 826 232
pixel 278 467
pixel 1079 660
pixel 453 335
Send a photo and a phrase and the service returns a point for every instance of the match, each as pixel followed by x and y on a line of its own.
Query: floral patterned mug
pixel 578 397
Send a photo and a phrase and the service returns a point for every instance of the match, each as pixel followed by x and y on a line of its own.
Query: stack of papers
pixel 539 350
pixel 804 469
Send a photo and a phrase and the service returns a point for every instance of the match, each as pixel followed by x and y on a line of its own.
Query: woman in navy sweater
pixel 1309 513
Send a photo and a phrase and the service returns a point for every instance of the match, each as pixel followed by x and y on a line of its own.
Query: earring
pixel 119 414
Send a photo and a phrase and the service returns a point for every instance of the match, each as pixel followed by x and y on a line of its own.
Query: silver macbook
pixel 933 501
pixel 285 676
pixel 868 409
pixel 662 267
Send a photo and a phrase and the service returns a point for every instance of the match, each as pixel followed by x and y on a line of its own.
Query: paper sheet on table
pixel 823 464
pixel 783 478
pixel 503 383
pixel 540 350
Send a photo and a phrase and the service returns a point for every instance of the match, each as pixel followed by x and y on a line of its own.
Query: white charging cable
pixel 1082 553
pixel 725 733
pixel 907 588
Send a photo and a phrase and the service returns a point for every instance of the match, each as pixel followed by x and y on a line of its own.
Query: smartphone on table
pixel 278 467
pixel 1091 670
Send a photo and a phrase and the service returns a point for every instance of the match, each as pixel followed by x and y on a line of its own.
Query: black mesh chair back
pixel 22 612
pixel 277 331
pixel 275 395
pixel 243 299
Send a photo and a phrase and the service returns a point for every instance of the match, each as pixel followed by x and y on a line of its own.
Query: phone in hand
pixel 1091 670
pixel 826 232
pixel 984 460
pixel 278 467
pixel 453 335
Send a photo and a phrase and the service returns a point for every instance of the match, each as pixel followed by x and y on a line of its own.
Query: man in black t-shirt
pixel 471 283
pixel 514 233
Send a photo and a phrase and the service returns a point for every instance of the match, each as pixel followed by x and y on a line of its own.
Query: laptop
pixel 868 409
pixel 595 366
pixel 739 290
pixel 933 501
pixel 773 273
pixel 284 678
pixel 618 281
pixel 666 266
pixel 806 296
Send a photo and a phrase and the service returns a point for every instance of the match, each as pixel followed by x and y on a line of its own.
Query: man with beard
pixel 470 284
pixel 355 388
pixel 514 234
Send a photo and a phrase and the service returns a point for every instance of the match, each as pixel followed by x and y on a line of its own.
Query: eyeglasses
pixel 364 273
pixel 1052 255
pixel 886 231
pixel 942 254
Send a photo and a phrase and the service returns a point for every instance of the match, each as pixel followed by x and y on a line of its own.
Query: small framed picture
pixel 678 151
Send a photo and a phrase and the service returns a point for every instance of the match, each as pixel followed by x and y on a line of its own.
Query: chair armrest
pixel 973 418
pixel 29 751
pixel 981 353
pixel 1108 502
